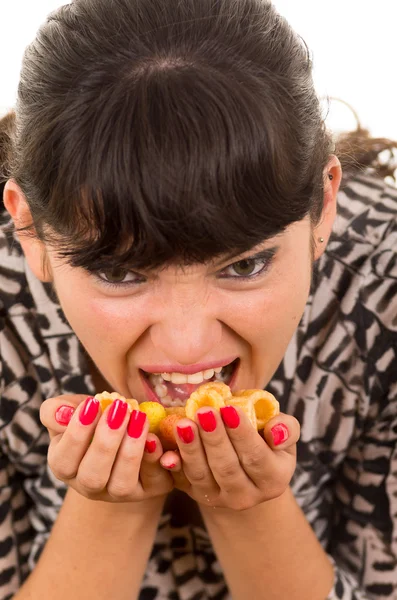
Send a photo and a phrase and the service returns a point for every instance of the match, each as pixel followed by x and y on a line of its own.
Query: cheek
pixel 111 323
pixel 267 318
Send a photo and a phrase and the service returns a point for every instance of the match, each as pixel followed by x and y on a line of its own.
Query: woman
pixel 179 207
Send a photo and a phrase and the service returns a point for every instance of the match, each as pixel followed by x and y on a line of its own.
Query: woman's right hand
pixel 115 466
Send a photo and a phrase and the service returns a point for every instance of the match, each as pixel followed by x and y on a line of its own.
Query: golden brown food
pixel 259 405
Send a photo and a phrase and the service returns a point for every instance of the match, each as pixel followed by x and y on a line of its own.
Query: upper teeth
pixel 193 378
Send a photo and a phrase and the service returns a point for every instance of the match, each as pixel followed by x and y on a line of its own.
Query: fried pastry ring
pixel 259 405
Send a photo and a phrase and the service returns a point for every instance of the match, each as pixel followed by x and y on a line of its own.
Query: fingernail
pixel 89 411
pixel 207 420
pixel 136 423
pixel 170 466
pixel 230 416
pixel 64 414
pixel 280 434
pixel 116 414
pixel 150 446
pixel 186 434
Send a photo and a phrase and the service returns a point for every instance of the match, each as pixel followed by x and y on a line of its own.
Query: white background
pixel 352 43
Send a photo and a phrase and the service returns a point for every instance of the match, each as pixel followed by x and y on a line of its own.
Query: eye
pixel 118 277
pixel 248 268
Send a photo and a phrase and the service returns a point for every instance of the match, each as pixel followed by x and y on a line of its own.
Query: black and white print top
pixel 338 377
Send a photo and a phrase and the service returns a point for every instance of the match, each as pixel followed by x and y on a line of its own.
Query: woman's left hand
pixel 233 466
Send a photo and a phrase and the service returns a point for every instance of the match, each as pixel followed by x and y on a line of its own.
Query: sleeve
pixel 30 496
pixel 363 544
pixel 364 537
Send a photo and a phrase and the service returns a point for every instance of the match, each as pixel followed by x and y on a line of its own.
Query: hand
pixel 233 467
pixel 99 462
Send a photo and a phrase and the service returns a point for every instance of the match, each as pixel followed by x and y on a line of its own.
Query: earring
pixel 321 240
pixel 330 176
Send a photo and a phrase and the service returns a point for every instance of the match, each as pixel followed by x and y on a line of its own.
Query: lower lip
pixel 153 398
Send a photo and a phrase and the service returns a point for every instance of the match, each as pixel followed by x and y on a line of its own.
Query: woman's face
pixel 186 322
pixel 178 320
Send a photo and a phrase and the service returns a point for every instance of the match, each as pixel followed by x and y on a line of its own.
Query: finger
pixel 221 455
pixel 56 413
pixel 152 474
pixel 255 456
pixel 97 464
pixel 67 450
pixel 172 461
pixel 282 433
pixel 194 460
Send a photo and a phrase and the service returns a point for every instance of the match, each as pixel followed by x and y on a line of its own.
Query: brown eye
pixel 115 275
pixel 118 277
pixel 245 268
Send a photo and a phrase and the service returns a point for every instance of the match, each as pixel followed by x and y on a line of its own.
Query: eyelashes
pixel 259 264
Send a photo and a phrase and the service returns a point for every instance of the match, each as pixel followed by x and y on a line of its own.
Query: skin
pixel 193 316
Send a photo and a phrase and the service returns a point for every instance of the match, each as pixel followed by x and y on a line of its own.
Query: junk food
pixel 259 405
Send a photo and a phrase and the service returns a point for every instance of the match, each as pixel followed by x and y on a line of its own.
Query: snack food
pixel 264 405
pixel 166 431
pixel 105 398
pixel 155 413
pixel 259 405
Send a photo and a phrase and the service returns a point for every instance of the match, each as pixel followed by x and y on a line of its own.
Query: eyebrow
pixel 267 253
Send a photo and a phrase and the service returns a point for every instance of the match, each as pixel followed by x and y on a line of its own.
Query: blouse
pixel 338 378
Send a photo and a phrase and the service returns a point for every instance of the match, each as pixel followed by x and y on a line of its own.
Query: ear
pixel 33 248
pixel 331 188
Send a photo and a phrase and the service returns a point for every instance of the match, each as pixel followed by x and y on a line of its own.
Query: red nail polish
pixel 230 416
pixel 207 420
pixel 280 434
pixel 150 446
pixel 171 466
pixel 136 423
pixel 186 434
pixel 89 411
pixel 64 414
pixel 117 413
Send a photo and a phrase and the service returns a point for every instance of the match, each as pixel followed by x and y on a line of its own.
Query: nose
pixel 187 336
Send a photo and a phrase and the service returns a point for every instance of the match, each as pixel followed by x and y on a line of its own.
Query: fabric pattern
pixel 338 378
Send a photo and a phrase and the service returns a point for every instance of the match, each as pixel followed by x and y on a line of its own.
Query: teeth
pixel 161 390
pixel 168 402
pixel 196 378
pixel 178 378
pixel 158 380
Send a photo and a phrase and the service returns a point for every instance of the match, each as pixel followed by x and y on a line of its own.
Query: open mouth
pixel 173 389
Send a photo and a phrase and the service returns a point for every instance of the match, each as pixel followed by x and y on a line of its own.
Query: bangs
pixel 173 163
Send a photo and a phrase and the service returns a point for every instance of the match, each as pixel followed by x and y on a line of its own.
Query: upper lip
pixel 188 370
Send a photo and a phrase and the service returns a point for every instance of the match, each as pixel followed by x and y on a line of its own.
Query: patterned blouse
pixel 338 377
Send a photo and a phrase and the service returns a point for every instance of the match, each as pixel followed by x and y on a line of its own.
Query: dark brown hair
pixel 148 132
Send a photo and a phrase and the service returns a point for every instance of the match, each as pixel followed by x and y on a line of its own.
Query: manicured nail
pixel 136 423
pixel 230 416
pixel 170 466
pixel 207 420
pixel 116 414
pixel 150 446
pixel 89 411
pixel 64 414
pixel 186 434
pixel 280 434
